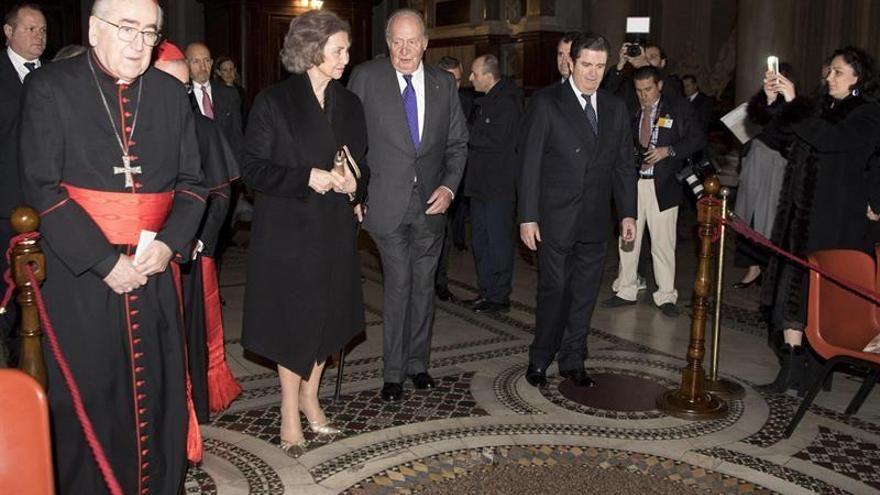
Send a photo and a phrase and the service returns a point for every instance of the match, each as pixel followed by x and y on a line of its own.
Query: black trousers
pixel 568 284
pixel 9 339
pixel 493 226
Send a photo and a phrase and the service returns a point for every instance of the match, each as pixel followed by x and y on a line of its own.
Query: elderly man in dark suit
pixel 417 151
pixel 667 132
pixel 25 30
pixel 576 153
pixel 218 102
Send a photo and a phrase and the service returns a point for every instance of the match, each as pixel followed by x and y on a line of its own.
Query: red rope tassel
pixel 194 448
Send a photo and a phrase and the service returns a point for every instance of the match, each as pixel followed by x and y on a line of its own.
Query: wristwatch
pixel 671 151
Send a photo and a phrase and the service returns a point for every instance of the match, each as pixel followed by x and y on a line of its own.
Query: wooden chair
pixel 25 445
pixel 840 323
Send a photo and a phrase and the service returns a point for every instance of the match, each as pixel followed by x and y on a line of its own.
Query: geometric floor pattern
pixel 485 430
pixel 439 472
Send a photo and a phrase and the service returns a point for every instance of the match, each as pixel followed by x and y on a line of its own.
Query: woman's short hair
pixel 305 40
pixel 864 68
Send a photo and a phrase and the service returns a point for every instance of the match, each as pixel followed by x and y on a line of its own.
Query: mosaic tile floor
pixel 484 426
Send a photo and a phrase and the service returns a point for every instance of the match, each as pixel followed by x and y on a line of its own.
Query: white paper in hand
pixel 144 241
pixel 737 121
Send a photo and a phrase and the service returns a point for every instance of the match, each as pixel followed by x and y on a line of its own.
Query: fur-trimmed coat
pixel 832 162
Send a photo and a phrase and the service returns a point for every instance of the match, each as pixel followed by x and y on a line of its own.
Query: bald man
pixel 215 101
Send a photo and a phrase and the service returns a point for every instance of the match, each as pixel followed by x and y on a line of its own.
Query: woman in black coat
pixel 825 197
pixel 303 299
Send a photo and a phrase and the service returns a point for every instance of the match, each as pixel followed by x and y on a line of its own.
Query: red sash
pixel 121 215
pixel 222 387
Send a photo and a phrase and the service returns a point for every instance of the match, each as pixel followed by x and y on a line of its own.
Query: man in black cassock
pixel 213 385
pixel 108 150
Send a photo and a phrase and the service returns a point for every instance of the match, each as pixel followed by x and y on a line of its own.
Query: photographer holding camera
pixel 666 131
pixel 637 55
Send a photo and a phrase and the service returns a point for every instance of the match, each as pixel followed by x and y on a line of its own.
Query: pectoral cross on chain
pixel 128 170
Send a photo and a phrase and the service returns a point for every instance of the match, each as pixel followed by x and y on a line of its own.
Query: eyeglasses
pixel 128 33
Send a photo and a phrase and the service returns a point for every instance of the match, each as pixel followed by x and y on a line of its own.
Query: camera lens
pixel 633 50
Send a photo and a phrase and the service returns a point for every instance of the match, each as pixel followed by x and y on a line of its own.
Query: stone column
pixel 763 29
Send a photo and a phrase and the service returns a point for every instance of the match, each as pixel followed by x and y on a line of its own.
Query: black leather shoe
pixel 392 392
pixel 670 310
pixel 536 376
pixel 422 381
pixel 579 377
pixel 473 302
pixel 490 307
pixel 616 302
pixel 443 293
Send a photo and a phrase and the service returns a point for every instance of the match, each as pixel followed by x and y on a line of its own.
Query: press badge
pixel 664 122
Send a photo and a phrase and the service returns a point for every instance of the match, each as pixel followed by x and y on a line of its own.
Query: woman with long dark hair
pixel 825 198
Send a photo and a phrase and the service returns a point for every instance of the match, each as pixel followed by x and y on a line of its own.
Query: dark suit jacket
pixel 685 135
pixel 567 174
pixel 10 98
pixel 703 107
pixel 393 158
pixel 227 115
pixel 621 84
pixel 491 169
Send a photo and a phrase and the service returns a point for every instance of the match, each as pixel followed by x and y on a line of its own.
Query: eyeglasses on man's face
pixel 129 34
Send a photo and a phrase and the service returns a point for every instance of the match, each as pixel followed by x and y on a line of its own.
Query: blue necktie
pixel 411 107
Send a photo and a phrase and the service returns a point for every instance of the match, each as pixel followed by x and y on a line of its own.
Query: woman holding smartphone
pixel 824 203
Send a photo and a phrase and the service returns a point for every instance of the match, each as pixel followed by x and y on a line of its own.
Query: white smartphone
pixel 773 64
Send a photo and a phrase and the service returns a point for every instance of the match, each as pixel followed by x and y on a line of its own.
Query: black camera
pixel 694 174
pixel 639 152
pixel 633 50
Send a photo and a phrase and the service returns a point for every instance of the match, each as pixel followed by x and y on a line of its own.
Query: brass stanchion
pixel 25 220
pixel 691 401
pixel 720 387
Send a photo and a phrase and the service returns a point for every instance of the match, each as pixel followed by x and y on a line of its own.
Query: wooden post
pixel 691 401
pixel 24 220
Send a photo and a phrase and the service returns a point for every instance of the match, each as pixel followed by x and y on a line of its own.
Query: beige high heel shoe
pixel 323 429
pixel 294 450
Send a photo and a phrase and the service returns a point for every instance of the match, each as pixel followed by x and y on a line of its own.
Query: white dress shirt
pixel 197 92
pixel 18 62
pixel 581 99
pixel 418 82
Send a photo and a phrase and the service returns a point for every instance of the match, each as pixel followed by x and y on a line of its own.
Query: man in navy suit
pixel 25 30
pixel 576 153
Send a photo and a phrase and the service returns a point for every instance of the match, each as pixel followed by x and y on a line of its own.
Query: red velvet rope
pixel 81 414
pixel 744 230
